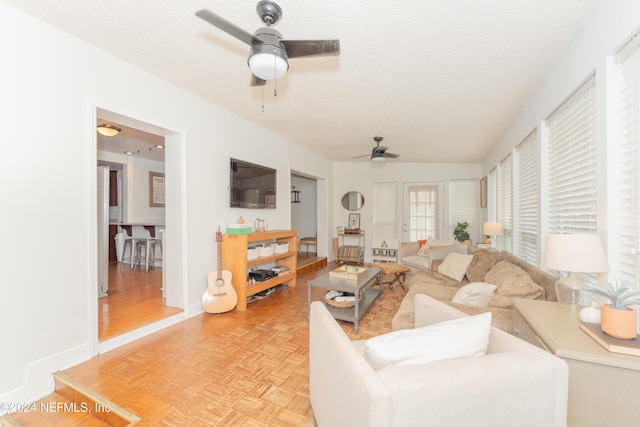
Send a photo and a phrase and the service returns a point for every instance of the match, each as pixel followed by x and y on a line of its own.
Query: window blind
pixel 492 181
pixel 505 214
pixel 572 164
pixel 464 205
pixel 626 151
pixel 527 210
pixel 385 212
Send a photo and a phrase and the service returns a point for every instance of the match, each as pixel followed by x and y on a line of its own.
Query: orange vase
pixel 618 323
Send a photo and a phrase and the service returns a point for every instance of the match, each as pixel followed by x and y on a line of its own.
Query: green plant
pixel 460 232
pixel 620 295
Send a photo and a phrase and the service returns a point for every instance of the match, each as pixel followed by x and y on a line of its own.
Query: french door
pixel 423 212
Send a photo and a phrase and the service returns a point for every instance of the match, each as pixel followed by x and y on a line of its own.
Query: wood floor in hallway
pixel 233 369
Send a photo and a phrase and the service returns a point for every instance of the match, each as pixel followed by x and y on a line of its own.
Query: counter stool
pixel 131 242
pixel 150 252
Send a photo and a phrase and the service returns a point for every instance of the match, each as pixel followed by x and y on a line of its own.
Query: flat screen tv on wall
pixel 252 186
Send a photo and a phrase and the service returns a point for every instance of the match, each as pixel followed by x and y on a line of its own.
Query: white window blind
pixel 423 212
pixel 528 195
pixel 505 214
pixel 626 154
pixel 492 203
pixel 572 164
pixel 464 205
pixel 385 213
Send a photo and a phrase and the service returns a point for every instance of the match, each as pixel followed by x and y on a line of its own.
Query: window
pixel 464 205
pixel 423 211
pixel 492 203
pixel 572 164
pixel 505 171
pixel 526 240
pixel 385 214
pixel 624 153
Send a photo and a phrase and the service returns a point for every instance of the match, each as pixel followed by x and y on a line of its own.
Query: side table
pixel 399 271
pixel 603 386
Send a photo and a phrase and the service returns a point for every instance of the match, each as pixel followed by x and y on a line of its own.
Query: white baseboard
pixel 143 331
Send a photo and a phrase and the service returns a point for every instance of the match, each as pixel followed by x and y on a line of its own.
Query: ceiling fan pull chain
pixel 275 69
pixel 263 98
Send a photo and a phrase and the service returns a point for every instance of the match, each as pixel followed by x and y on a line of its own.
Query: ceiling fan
pixel 379 153
pixel 269 54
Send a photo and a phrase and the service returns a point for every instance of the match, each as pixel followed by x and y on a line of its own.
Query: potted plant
pixel 461 234
pixel 617 318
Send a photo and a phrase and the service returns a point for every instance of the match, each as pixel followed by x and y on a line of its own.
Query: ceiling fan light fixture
pixel 378 157
pixel 268 62
pixel 108 130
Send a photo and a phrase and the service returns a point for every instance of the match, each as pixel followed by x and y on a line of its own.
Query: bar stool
pixel 150 252
pixel 131 242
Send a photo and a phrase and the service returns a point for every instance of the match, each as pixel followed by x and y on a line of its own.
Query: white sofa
pixel 514 384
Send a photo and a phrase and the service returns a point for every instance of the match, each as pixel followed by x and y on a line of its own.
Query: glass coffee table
pixel 355 313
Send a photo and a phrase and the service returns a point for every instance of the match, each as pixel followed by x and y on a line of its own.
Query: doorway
pixel 136 297
pixel 423 211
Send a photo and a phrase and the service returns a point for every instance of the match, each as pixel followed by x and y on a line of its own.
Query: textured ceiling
pixel 440 80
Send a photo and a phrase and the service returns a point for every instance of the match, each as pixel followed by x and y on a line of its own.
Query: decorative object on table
pixel 617 318
pixel 341 299
pixel 574 253
pixel 461 234
pixel 239 229
pixel 493 230
pixel 354 221
pixel 261 225
pixel 240 220
pixel 615 345
pixel 349 272
pixel 220 295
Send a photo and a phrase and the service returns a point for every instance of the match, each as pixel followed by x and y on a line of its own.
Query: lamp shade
pixel 580 253
pixel 492 229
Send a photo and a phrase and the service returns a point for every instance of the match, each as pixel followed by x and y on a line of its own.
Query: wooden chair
pixel 308 241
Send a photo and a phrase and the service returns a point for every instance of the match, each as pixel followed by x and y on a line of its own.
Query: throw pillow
pixel 464 337
pixel 482 262
pixel 424 250
pixel 476 293
pixel 512 282
pixel 455 265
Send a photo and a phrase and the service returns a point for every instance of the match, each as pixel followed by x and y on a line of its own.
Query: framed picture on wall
pixel 483 192
pixel 354 221
pixel 156 189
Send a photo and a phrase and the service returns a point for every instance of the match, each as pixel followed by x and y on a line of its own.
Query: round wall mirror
pixel 352 201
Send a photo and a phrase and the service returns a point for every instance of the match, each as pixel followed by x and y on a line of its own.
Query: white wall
pixel 54 81
pixel 360 176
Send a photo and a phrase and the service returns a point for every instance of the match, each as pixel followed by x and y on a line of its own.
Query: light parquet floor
pixel 232 369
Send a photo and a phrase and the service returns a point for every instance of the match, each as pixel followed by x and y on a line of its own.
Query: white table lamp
pixel 493 229
pixel 574 253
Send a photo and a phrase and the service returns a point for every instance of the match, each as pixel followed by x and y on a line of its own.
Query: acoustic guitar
pixel 220 295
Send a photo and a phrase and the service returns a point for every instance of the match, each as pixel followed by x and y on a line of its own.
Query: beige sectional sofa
pixel 512 384
pixel 512 277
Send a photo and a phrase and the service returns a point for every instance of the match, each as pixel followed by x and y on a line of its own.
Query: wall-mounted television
pixel 252 186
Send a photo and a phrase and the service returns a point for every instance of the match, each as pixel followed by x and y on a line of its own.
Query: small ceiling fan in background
pixel 379 153
pixel 269 54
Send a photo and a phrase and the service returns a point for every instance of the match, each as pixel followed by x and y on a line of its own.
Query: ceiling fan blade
pixel 391 155
pixel 227 27
pixel 364 155
pixel 257 81
pixel 298 48
pixel 380 149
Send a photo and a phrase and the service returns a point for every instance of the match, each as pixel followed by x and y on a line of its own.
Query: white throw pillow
pixel 475 293
pixel 455 265
pixel 464 337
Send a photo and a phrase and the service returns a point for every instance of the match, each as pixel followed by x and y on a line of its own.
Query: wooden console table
pixel 604 387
